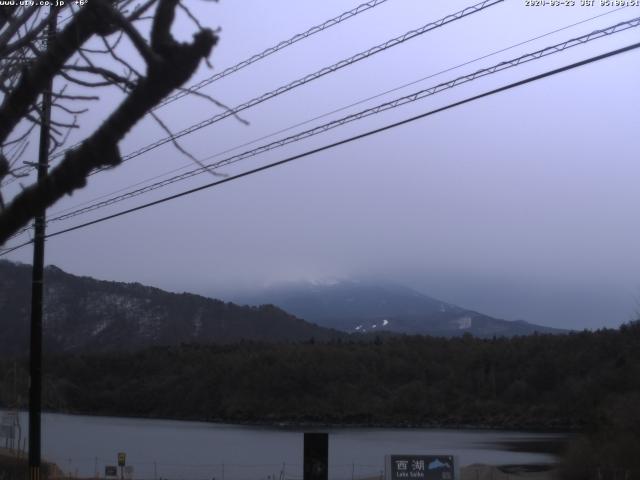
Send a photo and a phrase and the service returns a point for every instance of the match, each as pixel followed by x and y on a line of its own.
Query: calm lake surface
pixel 197 450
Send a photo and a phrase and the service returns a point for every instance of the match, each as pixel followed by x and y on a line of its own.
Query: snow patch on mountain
pixel 197 323
pixel 99 328
pixel 464 323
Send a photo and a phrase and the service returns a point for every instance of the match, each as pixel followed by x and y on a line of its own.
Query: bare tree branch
pixel 34 79
pixel 31 35
pixel 14 26
pixel 138 41
pixel 140 11
pixel 110 77
pixel 170 66
pixel 217 103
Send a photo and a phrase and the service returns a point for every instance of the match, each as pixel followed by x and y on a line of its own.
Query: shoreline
pixel 287 424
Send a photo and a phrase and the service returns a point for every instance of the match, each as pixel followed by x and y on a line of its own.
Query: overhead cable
pixel 312 76
pixel 363 7
pixel 271 50
pixel 345 141
pixel 318 74
pixel 622 26
pixel 326 114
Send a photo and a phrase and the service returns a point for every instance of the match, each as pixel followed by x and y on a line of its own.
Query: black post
pixel 35 363
pixel 316 456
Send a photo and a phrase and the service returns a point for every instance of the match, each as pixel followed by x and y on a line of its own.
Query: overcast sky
pixel 522 205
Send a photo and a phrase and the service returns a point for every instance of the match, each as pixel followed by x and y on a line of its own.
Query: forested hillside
pixel 82 314
pixel 539 381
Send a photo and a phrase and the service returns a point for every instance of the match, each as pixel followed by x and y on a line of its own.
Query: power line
pixel 347 140
pixel 6 251
pixel 253 59
pixel 359 102
pixel 271 50
pixel 308 78
pixel 357 116
pixel 314 76
pixel 622 26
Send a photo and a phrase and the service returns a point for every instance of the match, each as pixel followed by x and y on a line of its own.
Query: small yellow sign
pixel 122 459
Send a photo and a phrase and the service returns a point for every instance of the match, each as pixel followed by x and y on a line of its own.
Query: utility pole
pixel 316 456
pixel 35 360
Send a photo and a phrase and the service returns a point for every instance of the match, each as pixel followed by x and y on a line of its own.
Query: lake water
pixel 197 450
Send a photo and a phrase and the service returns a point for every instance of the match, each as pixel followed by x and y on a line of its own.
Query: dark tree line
pixel 539 381
pixel 588 382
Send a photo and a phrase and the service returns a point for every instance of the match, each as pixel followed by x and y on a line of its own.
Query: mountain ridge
pixel 85 314
pixel 360 307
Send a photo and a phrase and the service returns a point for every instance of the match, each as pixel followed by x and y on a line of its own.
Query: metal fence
pixel 94 468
